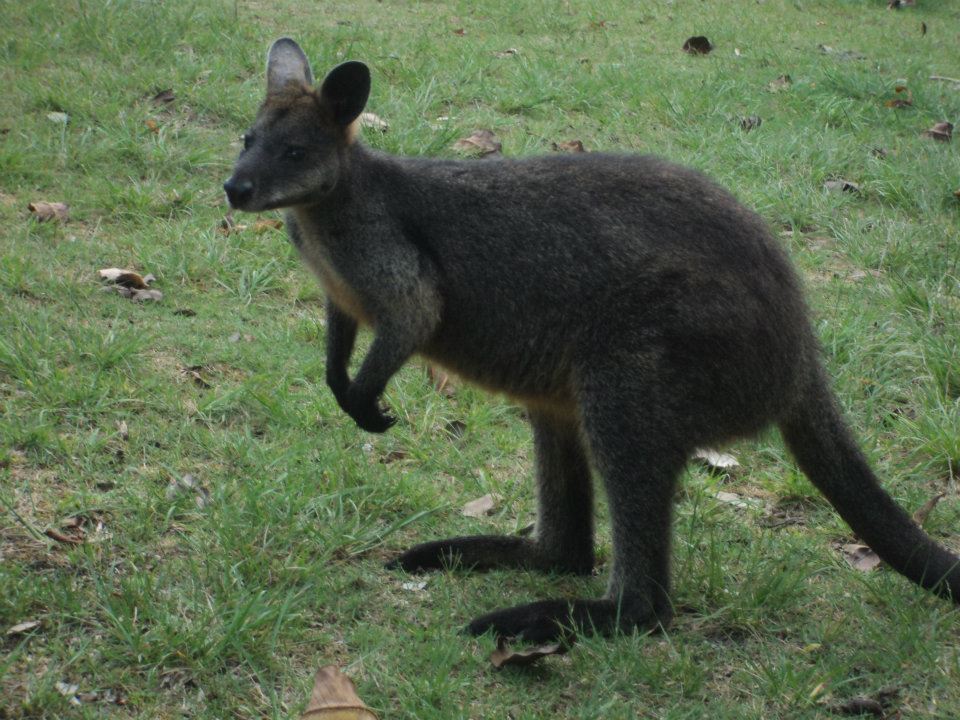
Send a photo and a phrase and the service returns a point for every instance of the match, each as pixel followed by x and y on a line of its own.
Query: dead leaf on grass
pixel 570 146
pixel 263 225
pixel 186 485
pixel 841 185
pixel 923 512
pixel 480 507
pixel 750 122
pixel 193 372
pixel 715 461
pixel 902 97
pixel 923 29
pixel 841 54
pixel 860 557
pixel 62 538
pixel 697 45
pixel 505 655
pixel 152 125
pixel 394 456
pixel 44 211
pixel 127 278
pixel 374 122
pixel 783 82
pixel 942 131
pixel 460 32
pixel 481 142
pixel 24 627
pixel 509 52
pixel 441 381
pixel 334 697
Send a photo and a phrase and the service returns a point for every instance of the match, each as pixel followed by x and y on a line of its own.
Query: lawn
pixel 189 525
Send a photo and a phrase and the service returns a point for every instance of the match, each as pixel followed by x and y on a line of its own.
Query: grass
pixel 220 599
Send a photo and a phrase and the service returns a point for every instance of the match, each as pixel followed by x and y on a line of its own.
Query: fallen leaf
pixel 334 697
pixel 394 456
pixel 263 225
pixel 123 430
pixel 44 211
pixel 23 627
pixel 152 125
pixel 903 97
pixel 750 122
pixel 697 45
pixel 923 29
pixel 509 52
pixel 942 131
pixel 164 97
pixel 841 186
pixel 61 538
pixel 480 507
pixel 956 193
pixel 374 122
pixel 736 51
pixel 715 461
pixel 841 54
pixel 783 82
pixel 58 117
pixel 860 557
pixel 505 655
pixel 897 4
pixel 460 31
pixel 441 381
pixel 570 146
pixel 923 512
pixel 481 142
pixel 185 312
pixel 193 372
pixel 126 278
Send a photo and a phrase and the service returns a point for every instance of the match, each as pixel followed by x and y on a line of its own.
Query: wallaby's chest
pixel 316 254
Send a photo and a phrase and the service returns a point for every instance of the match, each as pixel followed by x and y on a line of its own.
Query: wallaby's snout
pixel 238 192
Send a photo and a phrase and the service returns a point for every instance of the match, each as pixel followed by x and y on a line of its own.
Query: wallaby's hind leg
pixel 637 451
pixel 564 539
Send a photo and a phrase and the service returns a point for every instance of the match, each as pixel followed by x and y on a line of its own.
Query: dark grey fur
pixel 635 308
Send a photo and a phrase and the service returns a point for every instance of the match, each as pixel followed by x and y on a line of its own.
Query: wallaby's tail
pixel 825 450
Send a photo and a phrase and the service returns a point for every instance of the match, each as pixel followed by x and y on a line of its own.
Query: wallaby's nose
pixel 238 193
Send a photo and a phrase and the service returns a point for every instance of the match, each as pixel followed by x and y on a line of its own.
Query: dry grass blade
pixel 923 512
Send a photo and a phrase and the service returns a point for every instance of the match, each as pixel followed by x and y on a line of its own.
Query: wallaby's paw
pixel 560 620
pixel 366 413
pixel 474 552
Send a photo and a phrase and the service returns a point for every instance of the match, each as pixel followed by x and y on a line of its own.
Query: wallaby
pixel 637 310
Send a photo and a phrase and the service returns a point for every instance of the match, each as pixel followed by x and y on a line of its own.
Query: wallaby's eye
pixel 294 153
pixel 247 140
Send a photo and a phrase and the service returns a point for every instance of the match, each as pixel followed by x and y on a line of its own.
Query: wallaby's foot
pixel 485 552
pixel 561 620
pixel 365 411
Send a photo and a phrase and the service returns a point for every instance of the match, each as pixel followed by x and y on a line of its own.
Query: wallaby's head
pixel 294 152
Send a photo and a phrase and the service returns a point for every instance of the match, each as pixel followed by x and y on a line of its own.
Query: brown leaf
pixel 263 225
pixel 750 122
pixel 334 697
pixel 44 211
pixel 164 97
pixel 23 627
pixel 923 512
pixel 942 131
pixel 393 456
pixel 152 125
pixel 956 193
pixel 860 557
pixel 123 430
pixel 126 278
pixel 841 185
pixel 185 312
pixel 505 655
pixel 193 372
pixel 923 29
pixel 441 381
pixel 481 142
pixel 903 97
pixel 697 45
pixel 782 83
pixel 480 507
pixel 61 538
pixel 570 146
pixel 506 53
pixel 460 32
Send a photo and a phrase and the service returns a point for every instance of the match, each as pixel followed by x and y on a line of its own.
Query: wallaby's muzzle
pixel 238 192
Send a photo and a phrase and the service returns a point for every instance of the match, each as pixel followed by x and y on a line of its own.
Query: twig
pixel 945 79
pixel 60 537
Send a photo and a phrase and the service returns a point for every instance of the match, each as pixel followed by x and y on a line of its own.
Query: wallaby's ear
pixel 286 64
pixel 345 90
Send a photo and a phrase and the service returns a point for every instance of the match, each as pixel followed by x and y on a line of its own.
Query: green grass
pixel 225 607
